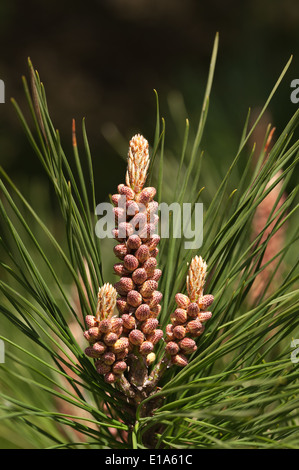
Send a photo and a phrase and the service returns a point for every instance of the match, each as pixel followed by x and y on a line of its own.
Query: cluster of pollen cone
pixel 188 319
pixel 136 292
pixel 107 345
pixel 126 327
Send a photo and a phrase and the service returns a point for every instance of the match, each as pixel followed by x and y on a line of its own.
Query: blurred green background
pixel 102 60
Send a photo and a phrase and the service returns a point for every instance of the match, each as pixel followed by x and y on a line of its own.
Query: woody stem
pixel 156 374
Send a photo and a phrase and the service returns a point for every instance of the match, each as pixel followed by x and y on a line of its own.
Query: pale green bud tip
pixel 196 278
pixel 106 301
pixel 138 163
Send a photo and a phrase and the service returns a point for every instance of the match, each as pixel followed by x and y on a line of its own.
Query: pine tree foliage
pixel 240 387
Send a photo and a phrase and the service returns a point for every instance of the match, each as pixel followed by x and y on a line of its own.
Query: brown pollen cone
pixel 187 321
pixel 138 300
pixel 106 338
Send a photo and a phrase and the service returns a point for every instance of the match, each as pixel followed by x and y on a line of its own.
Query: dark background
pixel 102 59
